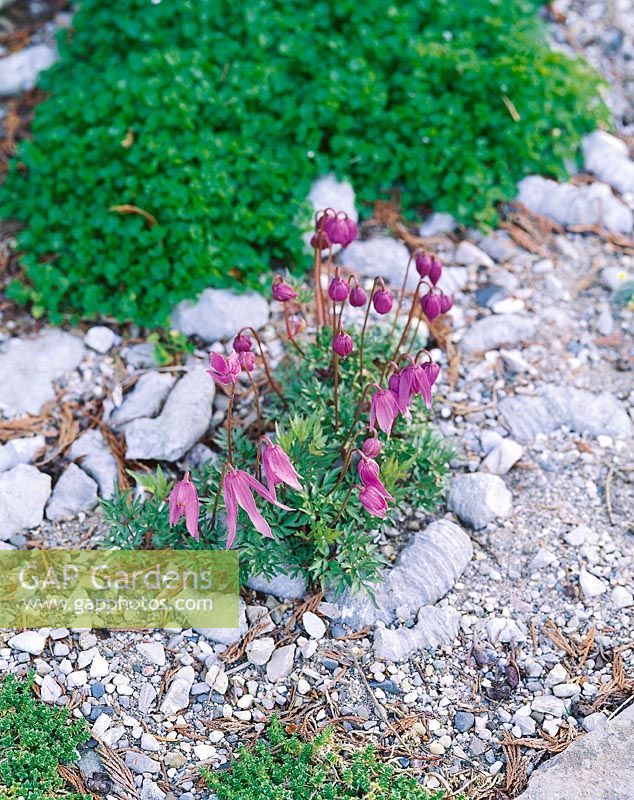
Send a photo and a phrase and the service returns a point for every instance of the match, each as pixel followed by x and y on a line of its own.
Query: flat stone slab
pixel 96 459
pixel 491 333
pixel 220 314
pixel 425 570
pixel 24 491
pixel 585 412
pixel 145 399
pixel 598 766
pixel 382 256
pixel 183 421
pixel 28 368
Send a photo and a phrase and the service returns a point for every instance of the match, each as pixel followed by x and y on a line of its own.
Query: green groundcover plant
pixel 178 141
pixel 283 767
pixel 340 443
pixel 35 739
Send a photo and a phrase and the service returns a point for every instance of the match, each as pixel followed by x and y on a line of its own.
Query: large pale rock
pixel 425 570
pixel 145 399
pixel 30 642
pixel 220 314
pixel 470 255
pixel 597 766
pixel 608 158
pixel 594 204
pixel 478 498
pixel 281 663
pixel 501 458
pixel 20 451
pixel 227 635
pixel 584 412
pixel 20 70
pixel 328 192
pixel 382 256
pixel 28 368
pixel 183 421
pixel 24 491
pixel 75 491
pixel 435 627
pixel 491 333
pixel 96 459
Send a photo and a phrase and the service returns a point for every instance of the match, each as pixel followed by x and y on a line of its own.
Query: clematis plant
pixel 322 447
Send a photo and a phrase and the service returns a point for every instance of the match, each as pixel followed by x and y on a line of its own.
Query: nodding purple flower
pixel 224 370
pixel 373 501
pixel 368 471
pixel 358 297
pixel 338 290
pixel 423 263
pixel 183 502
pixel 384 409
pixel 340 230
pixel 342 344
pixel 412 381
pixel 282 291
pixel 371 447
pixel 430 303
pixel 247 360
pixel 242 343
pixel 436 270
pixel 278 468
pixel 383 300
pixel 237 488
pixel 446 303
pixel 432 370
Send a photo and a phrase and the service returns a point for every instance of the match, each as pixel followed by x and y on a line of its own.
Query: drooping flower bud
pixel 430 303
pixel 282 291
pixel 338 290
pixel 372 447
pixel 446 303
pixel 342 344
pixel 383 300
pixel 358 297
pixel 340 230
pixel 320 240
pixel 432 370
pixel 247 360
pixel 423 263
pixel 436 270
pixel 242 343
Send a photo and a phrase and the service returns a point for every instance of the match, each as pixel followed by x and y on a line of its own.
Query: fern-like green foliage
pixel 215 116
pixel 35 739
pixel 283 767
pixel 313 540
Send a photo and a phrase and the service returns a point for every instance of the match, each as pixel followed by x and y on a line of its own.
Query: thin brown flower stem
pixel 218 492
pixel 230 425
pixel 272 382
pixel 410 316
pixel 365 322
pixel 289 333
pixel 343 505
pixel 258 458
pixel 256 397
pixel 319 299
pixel 335 366
pixel 401 297
pixel 356 416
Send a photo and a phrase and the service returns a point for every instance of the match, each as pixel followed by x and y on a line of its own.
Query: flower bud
pixel 342 344
pixel 358 297
pixel 383 301
pixel 242 344
pixel 423 263
pixel 446 303
pixel 430 303
pixel 340 230
pixel 372 447
pixel 436 270
pixel 432 370
pixel 338 290
pixel 247 360
pixel 283 292
pixel 320 240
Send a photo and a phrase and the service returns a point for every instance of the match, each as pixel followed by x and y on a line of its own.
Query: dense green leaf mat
pixel 215 116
